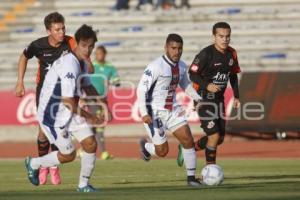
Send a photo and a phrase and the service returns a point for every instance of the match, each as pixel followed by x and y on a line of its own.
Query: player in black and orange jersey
pixel 210 72
pixel 46 50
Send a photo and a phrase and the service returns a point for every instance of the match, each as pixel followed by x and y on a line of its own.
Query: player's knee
pixel 188 142
pixel 89 144
pixel 65 158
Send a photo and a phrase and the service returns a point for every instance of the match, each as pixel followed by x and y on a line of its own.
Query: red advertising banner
pixel 122 103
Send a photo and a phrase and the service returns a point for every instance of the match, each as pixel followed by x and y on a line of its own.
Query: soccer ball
pixel 212 174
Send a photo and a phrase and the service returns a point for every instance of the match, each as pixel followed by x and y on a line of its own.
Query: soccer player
pixel 105 74
pixel 46 50
pixel 156 95
pixel 210 72
pixel 60 116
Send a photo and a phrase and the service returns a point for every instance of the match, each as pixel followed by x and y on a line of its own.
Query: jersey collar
pixel 172 64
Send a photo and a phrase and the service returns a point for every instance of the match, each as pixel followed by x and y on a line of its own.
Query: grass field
pixel 253 179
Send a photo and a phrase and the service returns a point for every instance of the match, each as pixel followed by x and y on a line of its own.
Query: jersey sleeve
pixel 236 67
pixel 30 51
pixel 186 85
pixel 147 82
pixel 196 69
pixel 68 73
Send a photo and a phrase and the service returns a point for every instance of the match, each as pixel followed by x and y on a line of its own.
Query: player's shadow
pixel 293 176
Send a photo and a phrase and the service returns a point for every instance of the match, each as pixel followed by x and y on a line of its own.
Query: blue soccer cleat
pixel 88 188
pixel 33 174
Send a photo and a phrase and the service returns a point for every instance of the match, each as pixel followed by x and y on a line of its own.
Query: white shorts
pixel 164 120
pixel 62 138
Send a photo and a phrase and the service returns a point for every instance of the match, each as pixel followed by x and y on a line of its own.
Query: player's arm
pixel 233 78
pixel 196 74
pixel 186 85
pixel 28 53
pixel 147 80
pixel 72 105
pixel 22 65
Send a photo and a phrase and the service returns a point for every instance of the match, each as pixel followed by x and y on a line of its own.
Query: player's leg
pixel 184 135
pixel 65 154
pixel 86 138
pixel 158 145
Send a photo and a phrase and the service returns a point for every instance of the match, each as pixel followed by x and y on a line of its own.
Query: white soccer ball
pixel 212 174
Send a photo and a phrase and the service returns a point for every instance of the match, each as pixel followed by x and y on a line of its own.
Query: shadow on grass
pixel 265 177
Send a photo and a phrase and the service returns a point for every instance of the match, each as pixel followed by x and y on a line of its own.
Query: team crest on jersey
pixel 230 62
pixel 194 68
pixel 148 72
pixel 210 124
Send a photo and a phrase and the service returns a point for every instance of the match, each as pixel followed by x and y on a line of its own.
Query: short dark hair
pixel 85 32
pixel 173 37
pixel 53 17
pixel 220 25
pixel 102 48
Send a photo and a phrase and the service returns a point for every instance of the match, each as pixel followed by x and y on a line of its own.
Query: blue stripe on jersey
pixel 52 108
pixel 149 99
pixel 151 127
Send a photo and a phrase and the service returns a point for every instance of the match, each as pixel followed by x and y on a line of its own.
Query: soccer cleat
pixel 43 173
pixel 193 182
pixel 144 153
pixel 106 156
pixel 55 175
pixel 33 174
pixel 180 159
pixel 87 188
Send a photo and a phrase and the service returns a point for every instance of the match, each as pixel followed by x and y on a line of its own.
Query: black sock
pixel 191 178
pixel 210 154
pixel 43 147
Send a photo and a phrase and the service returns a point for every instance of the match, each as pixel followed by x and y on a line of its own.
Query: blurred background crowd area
pixel 264 32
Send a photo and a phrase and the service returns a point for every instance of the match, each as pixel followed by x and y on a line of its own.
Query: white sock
pixel 87 167
pixel 48 160
pixel 190 161
pixel 150 148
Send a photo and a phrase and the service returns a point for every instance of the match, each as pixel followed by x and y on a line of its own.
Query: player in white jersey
pixel 156 94
pixel 60 116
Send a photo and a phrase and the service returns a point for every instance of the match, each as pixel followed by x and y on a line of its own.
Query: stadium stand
pixel 265 32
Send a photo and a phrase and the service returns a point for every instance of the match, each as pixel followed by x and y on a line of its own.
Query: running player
pixel 156 95
pixel 46 50
pixel 210 72
pixel 60 116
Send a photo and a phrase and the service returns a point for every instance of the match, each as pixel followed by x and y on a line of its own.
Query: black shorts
pixel 212 118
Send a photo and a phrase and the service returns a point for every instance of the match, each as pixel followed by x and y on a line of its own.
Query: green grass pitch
pixel 245 179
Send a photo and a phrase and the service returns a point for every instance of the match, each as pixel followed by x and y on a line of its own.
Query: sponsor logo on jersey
pixel 47 54
pixel 194 68
pixel 221 76
pixel 217 64
pixel 70 75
